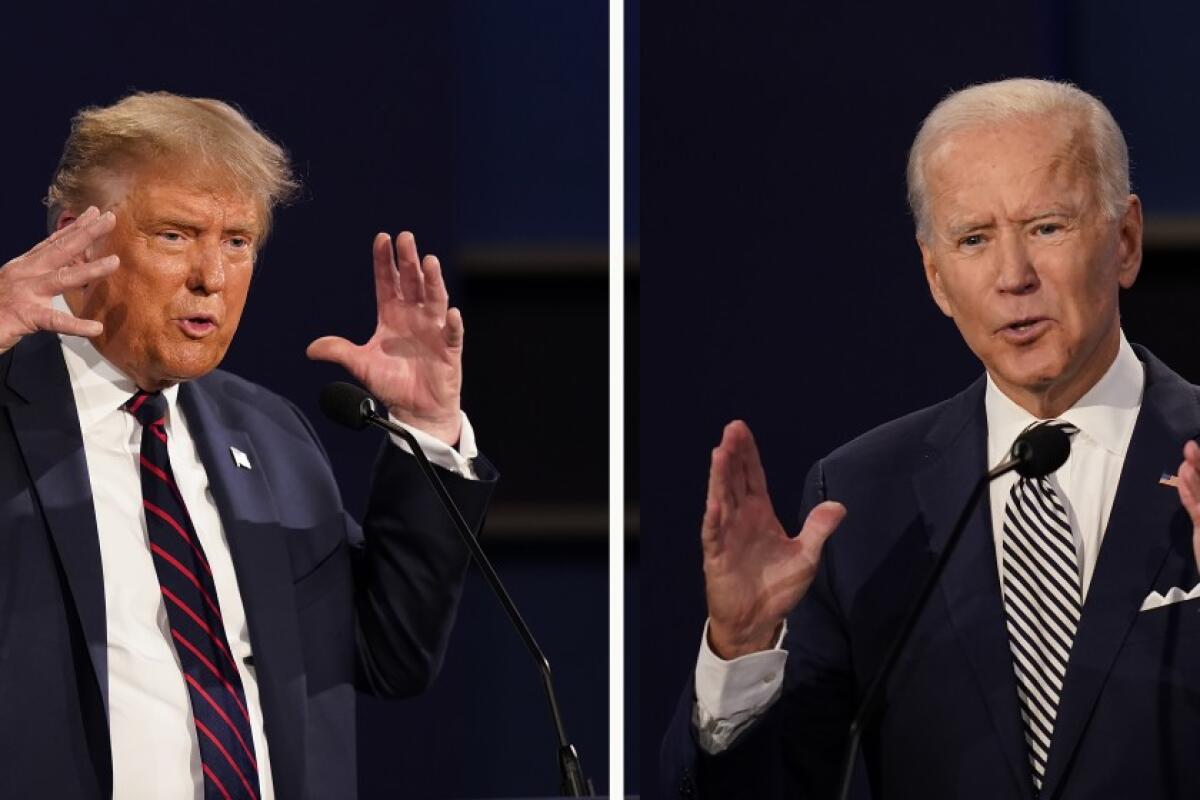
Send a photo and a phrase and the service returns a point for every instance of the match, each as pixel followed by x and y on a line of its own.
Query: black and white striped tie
pixel 1042 603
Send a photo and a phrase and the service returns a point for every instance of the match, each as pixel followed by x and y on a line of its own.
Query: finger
pixel 408 268
pixel 710 529
pixel 335 349
pixel 743 452
pixel 437 299
pixel 386 289
pixel 66 249
pixel 86 218
pixel 724 488
pixel 733 444
pixel 822 521
pixel 29 263
pixel 752 469
pixel 735 440
pixel 1191 454
pixel 46 318
pixel 454 331
pixel 67 277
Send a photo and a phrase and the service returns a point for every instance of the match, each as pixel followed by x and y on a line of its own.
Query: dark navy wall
pixel 781 283
pixel 472 125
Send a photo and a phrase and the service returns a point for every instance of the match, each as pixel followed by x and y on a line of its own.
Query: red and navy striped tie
pixel 218 701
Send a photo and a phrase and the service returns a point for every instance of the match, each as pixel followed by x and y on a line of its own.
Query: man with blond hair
pixel 186 609
pixel 1053 658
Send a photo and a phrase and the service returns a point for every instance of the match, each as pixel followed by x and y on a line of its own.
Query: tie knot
pixel 149 407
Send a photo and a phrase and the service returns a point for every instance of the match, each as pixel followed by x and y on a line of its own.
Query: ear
pixel 65 219
pixel 934 277
pixel 1130 243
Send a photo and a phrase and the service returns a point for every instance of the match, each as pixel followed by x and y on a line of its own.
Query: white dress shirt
pixel 154 746
pixel 732 694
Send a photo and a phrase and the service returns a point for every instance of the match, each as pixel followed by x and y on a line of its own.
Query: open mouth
pixel 197 326
pixel 1024 329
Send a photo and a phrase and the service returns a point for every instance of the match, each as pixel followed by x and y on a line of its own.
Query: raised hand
pixel 754 573
pixel 29 283
pixel 1189 491
pixel 413 362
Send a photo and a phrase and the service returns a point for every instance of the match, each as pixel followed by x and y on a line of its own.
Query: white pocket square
pixel 1173 595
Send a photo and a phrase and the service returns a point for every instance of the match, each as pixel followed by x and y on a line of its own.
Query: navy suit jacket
pixel 1128 723
pixel 329 607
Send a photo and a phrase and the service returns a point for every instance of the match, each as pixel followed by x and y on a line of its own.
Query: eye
pixel 240 242
pixel 1048 228
pixel 170 236
pixel 973 240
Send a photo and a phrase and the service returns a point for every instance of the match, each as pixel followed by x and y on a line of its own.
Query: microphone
pixel 1036 453
pixel 350 405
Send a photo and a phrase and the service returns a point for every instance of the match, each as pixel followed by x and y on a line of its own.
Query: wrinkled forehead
pixel 174 187
pixel 1031 160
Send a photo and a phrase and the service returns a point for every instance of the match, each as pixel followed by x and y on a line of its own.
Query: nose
pixel 207 275
pixel 1015 273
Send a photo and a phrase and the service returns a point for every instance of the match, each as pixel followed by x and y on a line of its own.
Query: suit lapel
pixel 47 431
pixel 260 557
pixel 1144 519
pixel 970 584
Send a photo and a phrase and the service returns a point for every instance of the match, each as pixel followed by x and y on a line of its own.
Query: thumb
pixel 822 521
pixel 332 348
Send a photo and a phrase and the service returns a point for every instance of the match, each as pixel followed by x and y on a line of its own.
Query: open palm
pixel 754 573
pixel 413 361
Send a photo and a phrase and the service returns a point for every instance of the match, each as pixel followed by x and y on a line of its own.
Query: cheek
pixel 236 291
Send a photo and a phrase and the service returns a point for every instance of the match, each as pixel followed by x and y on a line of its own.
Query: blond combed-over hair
pixel 145 127
pixel 1018 98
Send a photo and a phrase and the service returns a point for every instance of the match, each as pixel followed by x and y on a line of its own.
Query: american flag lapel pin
pixel 1169 480
pixel 240 459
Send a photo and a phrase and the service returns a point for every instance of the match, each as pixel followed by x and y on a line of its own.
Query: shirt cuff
pixel 459 461
pixel 730 695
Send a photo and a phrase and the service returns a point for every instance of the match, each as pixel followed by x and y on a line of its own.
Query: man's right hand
pixel 30 282
pixel 754 573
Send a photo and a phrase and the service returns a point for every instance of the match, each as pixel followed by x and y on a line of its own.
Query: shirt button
pixel 770 676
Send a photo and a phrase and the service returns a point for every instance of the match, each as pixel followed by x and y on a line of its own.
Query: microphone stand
pixel 867 706
pixel 572 781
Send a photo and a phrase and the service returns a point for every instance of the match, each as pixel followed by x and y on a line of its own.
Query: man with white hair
pixel 1053 658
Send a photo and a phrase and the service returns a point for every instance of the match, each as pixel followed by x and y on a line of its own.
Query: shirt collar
pixel 99 387
pixel 1105 415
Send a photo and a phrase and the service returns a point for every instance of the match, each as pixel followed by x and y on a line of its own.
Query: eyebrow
pixel 971 225
pixel 1052 212
pixel 238 228
pixel 967 227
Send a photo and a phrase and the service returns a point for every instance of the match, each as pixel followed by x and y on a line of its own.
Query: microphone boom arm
pixel 573 782
pixel 867 706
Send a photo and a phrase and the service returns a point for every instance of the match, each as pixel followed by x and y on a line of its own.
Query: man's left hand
pixel 413 362
pixel 1189 491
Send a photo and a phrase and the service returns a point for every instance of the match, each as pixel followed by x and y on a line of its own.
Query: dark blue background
pixel 781 281
pixel 482 127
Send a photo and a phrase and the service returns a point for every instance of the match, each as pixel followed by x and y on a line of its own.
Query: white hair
pixel 1000 101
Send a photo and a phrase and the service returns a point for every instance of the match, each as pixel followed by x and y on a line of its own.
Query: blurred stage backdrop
pixel 481 127
pixel 782 282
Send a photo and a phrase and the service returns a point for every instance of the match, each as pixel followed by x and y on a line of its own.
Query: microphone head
pixel 1041 450
pixel 347 404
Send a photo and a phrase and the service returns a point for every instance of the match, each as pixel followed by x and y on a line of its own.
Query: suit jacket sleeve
pixel 408 564
pixel 795 748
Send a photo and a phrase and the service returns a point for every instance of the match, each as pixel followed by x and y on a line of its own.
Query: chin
pixel 189 366
pixel 1034 371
